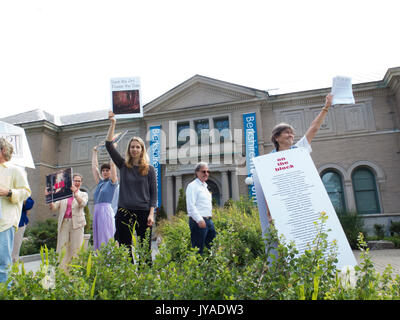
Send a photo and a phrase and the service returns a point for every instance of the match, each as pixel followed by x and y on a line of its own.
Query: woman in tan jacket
pixel 71 221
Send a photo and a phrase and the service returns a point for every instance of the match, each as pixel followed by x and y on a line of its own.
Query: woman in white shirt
pixel 283 136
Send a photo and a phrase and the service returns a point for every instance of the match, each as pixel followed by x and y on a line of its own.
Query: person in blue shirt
pixel 103 216
pixel 23 222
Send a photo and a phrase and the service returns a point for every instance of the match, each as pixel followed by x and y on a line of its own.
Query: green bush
pixel 41 234
pixel 395 227
pixel 181 206
pixel 352 225
pixel 379 230
pixel 235 267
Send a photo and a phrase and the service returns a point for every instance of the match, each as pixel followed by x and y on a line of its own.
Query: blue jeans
pixel 201 237
pixel 6 247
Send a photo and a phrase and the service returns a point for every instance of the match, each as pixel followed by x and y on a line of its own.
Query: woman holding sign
pixel 137 191
pixel 283 135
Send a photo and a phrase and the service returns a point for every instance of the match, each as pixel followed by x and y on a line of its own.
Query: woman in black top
pixel 137 192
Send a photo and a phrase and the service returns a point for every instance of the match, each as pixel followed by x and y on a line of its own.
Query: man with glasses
pixel 14 189
pixel 199 207
pixel 71 221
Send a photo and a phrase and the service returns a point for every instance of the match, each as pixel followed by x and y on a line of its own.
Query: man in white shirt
pixel 199 207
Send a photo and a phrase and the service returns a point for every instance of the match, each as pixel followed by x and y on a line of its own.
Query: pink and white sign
pixel 295 195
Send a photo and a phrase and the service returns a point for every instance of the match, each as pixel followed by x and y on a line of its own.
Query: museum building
pixel 356 151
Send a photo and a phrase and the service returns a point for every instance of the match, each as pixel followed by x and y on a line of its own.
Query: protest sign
pixel 125 98
pixel 342 91
pixel 296 196
pixel 16 136
pixel 58 185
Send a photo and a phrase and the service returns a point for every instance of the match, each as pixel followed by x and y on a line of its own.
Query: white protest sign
pixel 296 196
pixel 126 97
pixel 342 91
pixel 16 136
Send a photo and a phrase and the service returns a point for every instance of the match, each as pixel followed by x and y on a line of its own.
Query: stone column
pixel 235 184
pixel 349 195
pixel 170 197
pixel 225 187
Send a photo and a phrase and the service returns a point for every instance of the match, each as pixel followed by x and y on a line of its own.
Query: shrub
pixel 89 222
pixel 352 225
pixel 379 230
pixel 181 206
pixel 236 267
pixel 41 234
pixel 395 227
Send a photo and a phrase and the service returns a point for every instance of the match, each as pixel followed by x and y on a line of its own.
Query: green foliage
pixel 379 230
pixel 89 222
pixel 41 234
pixel 395 227
pixel 160 215
pixel 352 225
pixel 236 267
pixel 181 206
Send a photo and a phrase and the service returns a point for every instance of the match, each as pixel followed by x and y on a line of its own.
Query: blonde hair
pixel 7 147
pixel 143 158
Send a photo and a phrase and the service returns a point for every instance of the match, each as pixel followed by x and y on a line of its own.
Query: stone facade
pixel 365 134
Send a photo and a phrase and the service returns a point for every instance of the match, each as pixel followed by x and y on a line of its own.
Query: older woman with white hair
pixel 283 137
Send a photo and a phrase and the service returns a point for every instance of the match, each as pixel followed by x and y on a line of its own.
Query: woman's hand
pixel 111 117
pixel 150 220
pixel 328 100
pixel 3 191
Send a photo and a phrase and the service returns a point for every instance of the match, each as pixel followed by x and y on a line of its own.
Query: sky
pixel 59 56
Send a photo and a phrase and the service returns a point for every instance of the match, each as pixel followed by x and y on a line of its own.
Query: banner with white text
pixel 155 157
pixel 251 144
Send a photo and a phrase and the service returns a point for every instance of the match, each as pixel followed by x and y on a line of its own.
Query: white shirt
pixel 303 143
pixel 198 200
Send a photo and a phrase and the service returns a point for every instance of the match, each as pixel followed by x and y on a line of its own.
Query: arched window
pixel 365 191
pixel 334 186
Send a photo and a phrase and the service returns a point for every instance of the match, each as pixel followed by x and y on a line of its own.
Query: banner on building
pixel 251 144
pixel 125 98
pixel 16 136
pixel 296 197
pixel 155 157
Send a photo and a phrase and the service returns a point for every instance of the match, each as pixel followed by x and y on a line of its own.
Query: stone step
pixel 380 245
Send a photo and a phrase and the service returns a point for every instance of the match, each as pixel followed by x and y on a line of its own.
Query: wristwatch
pixel 9 193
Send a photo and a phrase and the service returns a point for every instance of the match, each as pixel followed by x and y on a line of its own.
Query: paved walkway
pixel 380 258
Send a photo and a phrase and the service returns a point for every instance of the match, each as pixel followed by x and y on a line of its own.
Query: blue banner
pixel 251 143
pixel 155 156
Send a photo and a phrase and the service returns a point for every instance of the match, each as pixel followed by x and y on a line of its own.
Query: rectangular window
pixel 202 128
pixel 222 125
pixel 183 133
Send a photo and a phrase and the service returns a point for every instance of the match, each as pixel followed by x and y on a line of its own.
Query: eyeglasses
pixel 205 171
pixel 77 181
